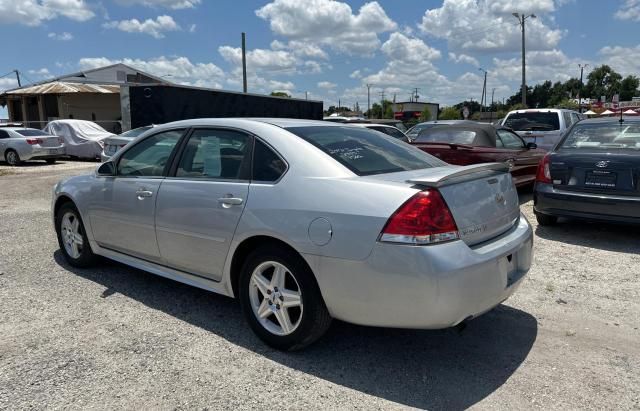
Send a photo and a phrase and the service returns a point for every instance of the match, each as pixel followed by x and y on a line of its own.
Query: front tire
pixel 546 220
pixel 72 237
pixel 12 158
pixel 281 300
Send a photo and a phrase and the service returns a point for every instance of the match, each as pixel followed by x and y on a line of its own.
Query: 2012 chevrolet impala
pixel 303 221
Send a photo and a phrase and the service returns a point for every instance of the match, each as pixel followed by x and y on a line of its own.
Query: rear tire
pixel 50 160
pixel 12 158
pixel 297 303
pixel 546 220
pixel 72 237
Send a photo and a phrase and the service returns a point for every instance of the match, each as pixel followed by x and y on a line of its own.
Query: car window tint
pixel 567 118
pixel 218 154
pixel 4 134
pixel 27 132
pixel 149 157
pixel 611 135
pixel 510 140
pixel 391 131
pixel 533 120
pixel 444 134
pixel 267 166
pixel 575 118
pixel 364 151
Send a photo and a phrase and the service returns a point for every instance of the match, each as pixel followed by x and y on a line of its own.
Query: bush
pixel 450 113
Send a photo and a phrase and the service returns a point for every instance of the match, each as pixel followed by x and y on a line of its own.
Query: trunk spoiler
pixel 448 175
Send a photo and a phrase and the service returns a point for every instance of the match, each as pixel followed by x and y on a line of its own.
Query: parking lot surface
pixel 116 337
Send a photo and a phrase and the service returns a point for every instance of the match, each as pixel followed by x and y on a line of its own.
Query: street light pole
pixel 521 19
pixel 369 100
pixel 483 99
pixel 244 63
pixel 582 67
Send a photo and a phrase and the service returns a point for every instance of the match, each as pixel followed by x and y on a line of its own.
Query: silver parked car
pixel 18 144
pixel 115 143
pixel 542 126
pixel 303 221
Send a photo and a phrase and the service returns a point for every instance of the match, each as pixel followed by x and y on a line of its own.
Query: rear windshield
pixel 31 132
pixel 444 135
pixel 603 136
pixel 391 131
pixel 533 121
pixel 366 152
pixel 135 132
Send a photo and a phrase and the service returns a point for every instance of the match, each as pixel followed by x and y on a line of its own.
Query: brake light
pixel 544 173
pixel 423 219
pixel 33 141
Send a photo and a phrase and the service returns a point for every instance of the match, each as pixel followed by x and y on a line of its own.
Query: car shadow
pixel 444 369
pixel 525 194
pixel 604 236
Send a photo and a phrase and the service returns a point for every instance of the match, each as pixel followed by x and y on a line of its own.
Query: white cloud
pixel 330 23
pixel 327 85
pixel 401 47
pixel 261 59
pixel 625 60
pixel 155 28
pixel 192 28
pixel 170 4
pixel 41 73
pixel 463 58
pixel 7 83
pixel 629 10
pixel 176 69
pixel 551 65
pixel 35 12
pixel 301 49
pixel 64 36
pixel 356 74
pixel 488 26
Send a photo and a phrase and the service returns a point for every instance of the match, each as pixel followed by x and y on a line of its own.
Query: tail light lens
pixel 33 141
pixel 60 140
pixel 424 219
pixel 544 173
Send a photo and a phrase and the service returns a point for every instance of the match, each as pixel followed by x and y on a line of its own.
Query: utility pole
pixel 582 67
pixel 521 19
pixel 493 90
pixel 415 94
pixel 18 77
pixel 369 100
pixel 244 63
pixel 483 99
pixel 382 103
pixel 306 95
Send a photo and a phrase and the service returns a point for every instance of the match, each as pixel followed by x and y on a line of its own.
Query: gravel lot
pixel 115 337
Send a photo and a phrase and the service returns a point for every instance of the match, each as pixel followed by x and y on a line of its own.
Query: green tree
pixel 629 88
pixel 603 81
pixel 280 94
pixel 388 109
pixel 375 111
pixel 426 114
pixel 450 113
pixel 568 104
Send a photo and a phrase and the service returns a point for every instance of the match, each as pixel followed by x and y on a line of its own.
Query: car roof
pixel 542 110
pixel 20 128
pixel 485 132
pixel 279 122
pixel 369 125
pixel 626 119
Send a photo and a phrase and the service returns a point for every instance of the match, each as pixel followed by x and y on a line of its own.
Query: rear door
pixel 122 208
pixel 200 203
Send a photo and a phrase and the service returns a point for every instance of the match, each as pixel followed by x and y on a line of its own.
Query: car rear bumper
pixel 552 201
pixel 41 153
pixel 435 286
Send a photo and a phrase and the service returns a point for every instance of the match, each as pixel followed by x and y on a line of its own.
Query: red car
pixel 464 144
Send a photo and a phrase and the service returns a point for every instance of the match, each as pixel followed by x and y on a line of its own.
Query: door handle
pixel 143 193
pixel 230 201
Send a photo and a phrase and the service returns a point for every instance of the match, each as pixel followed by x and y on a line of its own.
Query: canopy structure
pixel 606 113
pixel 63 87
pixel 590 113
pixel 631 112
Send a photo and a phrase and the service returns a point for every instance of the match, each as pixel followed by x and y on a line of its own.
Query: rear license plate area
pixel 54 151
pixel 513 274
pixel 600 179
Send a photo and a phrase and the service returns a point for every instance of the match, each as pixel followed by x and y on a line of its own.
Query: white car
pixel 542 126
pixel 115 143
pixel 18 144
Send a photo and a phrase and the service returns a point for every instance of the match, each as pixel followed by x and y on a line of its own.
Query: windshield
pixel 604 136
pixel 446 135
pixel 135 132
pixel 533 121
pixel 30 132
pixel 364 151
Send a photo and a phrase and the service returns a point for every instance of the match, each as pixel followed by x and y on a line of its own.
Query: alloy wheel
pixel 71 232
pixel 276 298
pixel 12 158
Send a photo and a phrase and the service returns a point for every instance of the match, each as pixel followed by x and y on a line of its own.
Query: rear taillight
pixel 424 219
pixel 33 141
pixel 544 173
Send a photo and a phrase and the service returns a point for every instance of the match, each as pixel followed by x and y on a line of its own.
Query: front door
pixel 122 211
pixel 523 162
pixel 200 204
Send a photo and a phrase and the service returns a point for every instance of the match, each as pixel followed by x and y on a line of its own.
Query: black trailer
pixel 158 104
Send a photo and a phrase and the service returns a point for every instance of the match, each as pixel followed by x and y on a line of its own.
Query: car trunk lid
pixel 593 171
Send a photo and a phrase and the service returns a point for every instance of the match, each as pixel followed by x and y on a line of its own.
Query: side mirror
pixel 531 146
pixel 106 169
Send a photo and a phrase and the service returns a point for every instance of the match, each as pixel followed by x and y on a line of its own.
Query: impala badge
pixel 602 164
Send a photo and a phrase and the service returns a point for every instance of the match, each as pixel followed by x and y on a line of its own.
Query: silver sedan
pixel 303 221
pixel 18 144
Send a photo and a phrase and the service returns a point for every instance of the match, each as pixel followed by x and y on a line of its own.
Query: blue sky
pixel 327 48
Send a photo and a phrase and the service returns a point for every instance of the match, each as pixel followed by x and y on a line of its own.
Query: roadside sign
pixel 465 112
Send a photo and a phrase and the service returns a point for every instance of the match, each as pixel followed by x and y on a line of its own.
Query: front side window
pixel 366 152
pixel 510 140
pixel 217 154
pixel 149 157
pixel 267 166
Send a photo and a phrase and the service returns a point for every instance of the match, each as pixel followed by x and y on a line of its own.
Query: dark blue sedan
pixel 593 173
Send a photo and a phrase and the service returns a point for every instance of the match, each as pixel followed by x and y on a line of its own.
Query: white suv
pixel 542 126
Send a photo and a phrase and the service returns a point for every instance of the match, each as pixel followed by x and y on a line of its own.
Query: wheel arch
pixel 62 198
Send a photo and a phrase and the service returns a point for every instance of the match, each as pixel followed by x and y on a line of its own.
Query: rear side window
pixel 31 133
pixel 567 119
pixel 533 121
pixel 267 166
pixel 364 151
pixel 445 135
